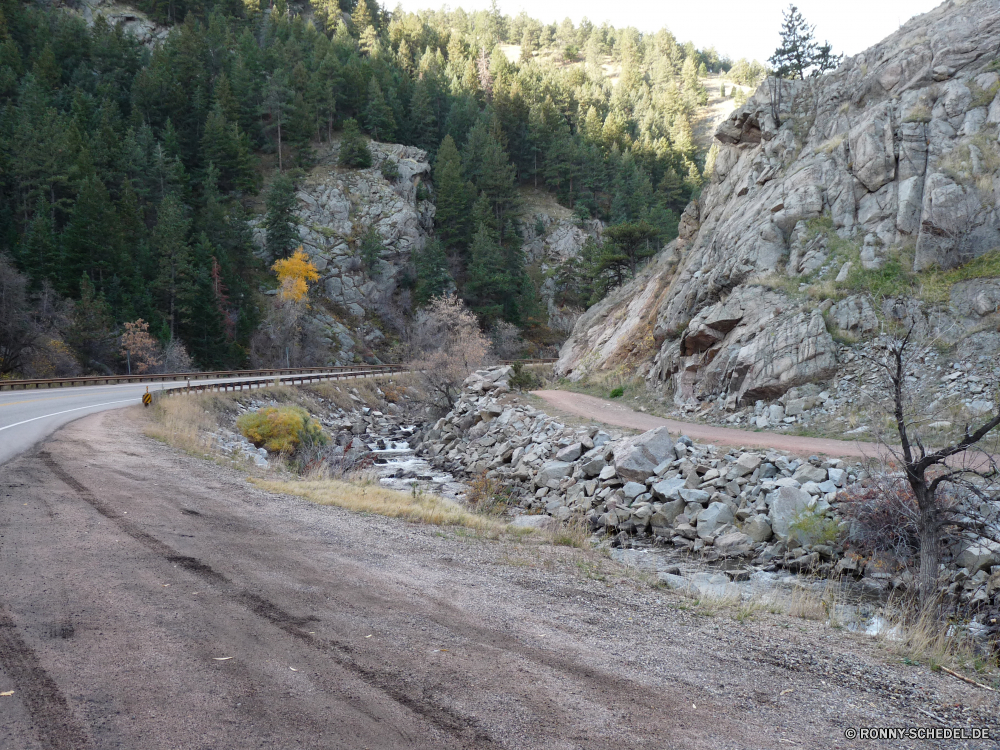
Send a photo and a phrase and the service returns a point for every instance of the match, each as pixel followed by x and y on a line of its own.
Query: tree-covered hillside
pixel 127 174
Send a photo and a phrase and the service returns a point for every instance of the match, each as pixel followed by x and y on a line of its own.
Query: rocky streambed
pixel 753 512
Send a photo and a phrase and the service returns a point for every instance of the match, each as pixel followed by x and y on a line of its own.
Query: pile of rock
pixel 764 507
pixel 238 447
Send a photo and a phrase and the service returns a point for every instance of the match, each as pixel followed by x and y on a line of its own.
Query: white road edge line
pixel 56 414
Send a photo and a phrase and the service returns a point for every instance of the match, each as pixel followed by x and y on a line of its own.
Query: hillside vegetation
pixel 129 171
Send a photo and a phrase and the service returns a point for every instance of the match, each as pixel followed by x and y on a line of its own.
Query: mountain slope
pixel 834 212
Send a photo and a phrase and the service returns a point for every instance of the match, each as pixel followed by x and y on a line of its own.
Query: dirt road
pixel 609 412
pixel 153 600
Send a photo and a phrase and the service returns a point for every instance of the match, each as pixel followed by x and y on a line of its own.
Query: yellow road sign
pixel 147 397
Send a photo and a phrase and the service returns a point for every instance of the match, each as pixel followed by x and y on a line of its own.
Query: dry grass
pixel 366 391
pixel 927 639
pixel 575 533
pixel 185 421
pixel 367 496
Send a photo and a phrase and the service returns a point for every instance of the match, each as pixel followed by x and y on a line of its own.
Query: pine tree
pixel 433 278
pixel 487 284
pixel 370 251
pixel 423 123
pixel 91 243
pixel 90 335
pixel 38 253
pixel 277 102
pixel 454 194
pixel 379 121
pixel 280 222
pixel 354 151
pixel 201 324
pixel 170 245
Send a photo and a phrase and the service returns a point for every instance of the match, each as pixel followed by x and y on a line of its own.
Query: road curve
pixel 29 416
pixel 609 412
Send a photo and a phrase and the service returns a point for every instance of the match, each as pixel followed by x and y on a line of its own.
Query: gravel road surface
pixel 609 412
pixel 154 600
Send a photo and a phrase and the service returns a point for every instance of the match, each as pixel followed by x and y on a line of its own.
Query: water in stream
pixel 399 468
pixel 845 602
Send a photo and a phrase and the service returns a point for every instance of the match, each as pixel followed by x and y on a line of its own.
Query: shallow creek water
pixel 399 468
pixel 844 602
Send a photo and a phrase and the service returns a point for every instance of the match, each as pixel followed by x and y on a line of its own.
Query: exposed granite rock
pixel 892 158
pixel 337 206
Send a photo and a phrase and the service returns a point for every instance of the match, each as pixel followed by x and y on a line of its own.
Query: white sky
pixel 735 27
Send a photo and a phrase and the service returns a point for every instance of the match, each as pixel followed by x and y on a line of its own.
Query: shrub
pixel 488 495
pixel 353 149
pixel 280 429
pixel 883 518
pixel 390 170
pixel 617 392
pixel 521 379
pixel 810 527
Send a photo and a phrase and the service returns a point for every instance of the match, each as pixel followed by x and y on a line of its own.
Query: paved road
pixel 610 412
pixel 28 416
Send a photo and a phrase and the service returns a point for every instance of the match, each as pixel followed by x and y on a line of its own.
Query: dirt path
pixel 609 412
pixel 153 600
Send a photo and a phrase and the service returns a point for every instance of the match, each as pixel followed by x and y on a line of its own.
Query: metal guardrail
pixel 367 371
pixel 10 385
pixel 173 376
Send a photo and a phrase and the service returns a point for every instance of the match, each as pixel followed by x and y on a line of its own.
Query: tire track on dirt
pixel 462 728
pixel 57 727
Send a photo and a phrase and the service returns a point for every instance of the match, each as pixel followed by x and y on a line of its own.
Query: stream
pixel 399 468
pixel 845 602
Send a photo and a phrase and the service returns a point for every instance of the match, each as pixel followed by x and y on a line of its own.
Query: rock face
pixel 554 236
pixel 132 21
pixel 892 158
pixel 337 206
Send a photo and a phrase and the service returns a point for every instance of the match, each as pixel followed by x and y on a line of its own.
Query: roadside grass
pixel 367 496
pixel 185 421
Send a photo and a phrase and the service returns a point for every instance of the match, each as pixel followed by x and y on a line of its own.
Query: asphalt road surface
pixel 29 416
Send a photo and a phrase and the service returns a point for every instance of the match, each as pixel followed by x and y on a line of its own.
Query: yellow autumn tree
pixel 293 273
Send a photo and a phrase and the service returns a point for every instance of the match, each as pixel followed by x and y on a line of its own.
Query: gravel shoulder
pixel 152 599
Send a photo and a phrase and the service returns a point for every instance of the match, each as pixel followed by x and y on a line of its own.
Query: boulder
pixel 694 496
pixel 669 489
pixel 758 528
pixel 552 473
pixel 733 543
pixel 539 523
pixel 714 516
pixel 571 453
pixel 787 504
pixel 636 458
pixel 809 473
pixel 667 514
pixel 593 466
pixel 977 557
pixel 632 490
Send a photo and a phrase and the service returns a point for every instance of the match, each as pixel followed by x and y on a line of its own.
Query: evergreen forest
pixel 129 172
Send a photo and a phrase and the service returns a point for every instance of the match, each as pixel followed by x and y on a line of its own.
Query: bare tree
pixel 446 346
pixel 969 462
pixel 141 351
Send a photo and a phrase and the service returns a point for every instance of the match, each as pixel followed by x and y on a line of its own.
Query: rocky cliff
pixel 851 200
